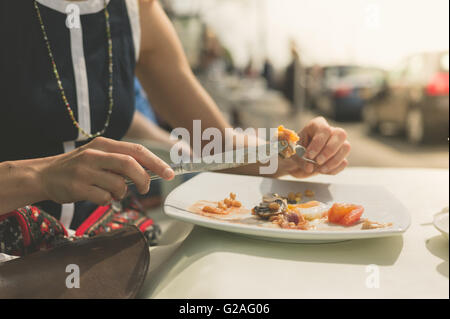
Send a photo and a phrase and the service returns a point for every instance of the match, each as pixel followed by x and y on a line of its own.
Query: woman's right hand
pixel 96 172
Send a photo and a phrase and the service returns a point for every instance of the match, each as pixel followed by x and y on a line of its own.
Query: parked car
pixel 345 90
pixel 415 99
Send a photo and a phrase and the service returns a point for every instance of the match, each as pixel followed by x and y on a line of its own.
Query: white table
pixel 215 264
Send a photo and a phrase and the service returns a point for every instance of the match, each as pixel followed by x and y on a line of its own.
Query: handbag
pixel 110 265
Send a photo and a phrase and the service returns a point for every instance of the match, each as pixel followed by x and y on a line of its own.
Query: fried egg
pixel 312 210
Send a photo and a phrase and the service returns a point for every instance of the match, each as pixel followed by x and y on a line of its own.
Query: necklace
pixel 58 79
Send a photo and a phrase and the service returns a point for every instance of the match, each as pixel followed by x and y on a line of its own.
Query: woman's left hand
pixel 325 144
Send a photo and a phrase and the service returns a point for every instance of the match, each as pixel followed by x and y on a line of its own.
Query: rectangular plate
pixel 380 206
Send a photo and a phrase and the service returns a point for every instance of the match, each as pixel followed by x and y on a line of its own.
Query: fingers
pixel 97 195
pixel 318 142
pixel 126 165
pixel 337 159
pixel 305 139
pixel 140 153
pixel 308 167
pixel 311 129
pixel 315 136
pixel 326 145
pixel 339 169
pixel 334 144
pixel 109 182
pixel 302 165
pixel 301 173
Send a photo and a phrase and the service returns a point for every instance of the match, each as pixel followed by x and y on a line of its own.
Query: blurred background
pixel 378 68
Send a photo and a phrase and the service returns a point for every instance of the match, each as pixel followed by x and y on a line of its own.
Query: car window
pixel 365 77
pixel 340 71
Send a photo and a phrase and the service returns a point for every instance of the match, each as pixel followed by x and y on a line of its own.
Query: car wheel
pixel 415 126
pixel 370 119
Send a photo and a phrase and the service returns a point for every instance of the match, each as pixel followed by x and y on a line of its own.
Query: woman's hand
pixel 327 145
pixel 97 171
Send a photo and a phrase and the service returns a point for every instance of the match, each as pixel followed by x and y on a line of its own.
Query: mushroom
pixel 271 205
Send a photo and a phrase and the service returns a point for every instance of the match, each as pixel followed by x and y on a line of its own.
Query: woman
pixel 62 87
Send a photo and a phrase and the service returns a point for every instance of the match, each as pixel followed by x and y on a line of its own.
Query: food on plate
pixel 289 212
pixel 367 224
pixel 294 197
pixel 309 193
pixel 223 206
pixel 289 136
pixel 271 205
pixel 280 210
pixel 312 210
pixel 213 210
pixel 291 219
pixel 345 214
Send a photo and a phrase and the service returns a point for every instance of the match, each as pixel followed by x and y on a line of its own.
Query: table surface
pixel 216 264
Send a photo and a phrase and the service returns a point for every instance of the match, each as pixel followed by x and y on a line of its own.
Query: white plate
pixel 441 222
pixel 380 205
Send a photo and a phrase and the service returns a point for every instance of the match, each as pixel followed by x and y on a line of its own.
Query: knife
pixel 240 158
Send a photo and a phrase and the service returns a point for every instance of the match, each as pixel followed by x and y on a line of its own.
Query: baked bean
pixel 236 203
pixel 222 205
pixel 309 193
pixel 213 210
pixel 291 196
pixel 228 202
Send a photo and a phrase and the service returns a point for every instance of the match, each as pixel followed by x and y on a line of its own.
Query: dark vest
pixel 33 119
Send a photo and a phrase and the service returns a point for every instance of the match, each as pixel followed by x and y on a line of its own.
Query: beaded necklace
pixel 58 79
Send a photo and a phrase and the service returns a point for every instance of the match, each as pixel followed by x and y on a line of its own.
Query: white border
pixel 81 81
pixel 133 15
pixel 86 6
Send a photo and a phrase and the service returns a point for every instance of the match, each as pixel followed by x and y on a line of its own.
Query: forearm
pixel 19 184
pixel 166 75
pixel 171 86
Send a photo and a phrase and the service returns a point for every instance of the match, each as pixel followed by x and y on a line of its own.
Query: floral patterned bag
pixel 109 218
pixel 27 230
pixel 30 229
